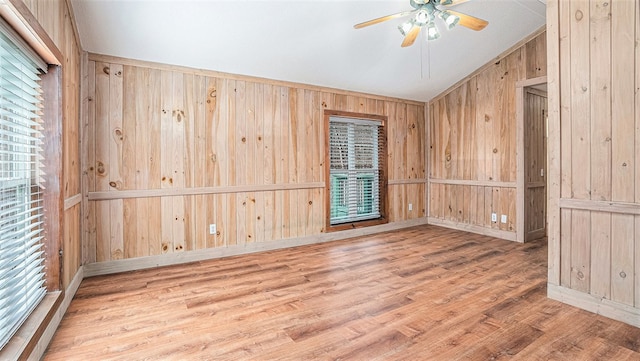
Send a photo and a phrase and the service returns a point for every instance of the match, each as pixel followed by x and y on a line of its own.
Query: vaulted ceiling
pixel 311 42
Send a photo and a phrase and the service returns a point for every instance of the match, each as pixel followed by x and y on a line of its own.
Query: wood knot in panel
pixel 178 114
pixel 179 247
pixel 116 184
pixel 487 118
pixel 119 73
pixel 101 168
pixel 324 105
pixel 258 218
pixel 495 150
pixel 580 275
pixel 117 135
pixel 623 274
pixel 213 158
pixel 165 247
pixel 310 202
pixel 579 15
pixel 106 70
pixel 244 139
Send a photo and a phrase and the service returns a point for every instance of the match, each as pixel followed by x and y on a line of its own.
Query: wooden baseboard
pixel 124 265
pixel 41 346
pixel 497 233
pixel 533 235
pixel 600 306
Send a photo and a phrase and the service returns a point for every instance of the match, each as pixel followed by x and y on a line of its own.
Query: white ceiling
pixel 311 42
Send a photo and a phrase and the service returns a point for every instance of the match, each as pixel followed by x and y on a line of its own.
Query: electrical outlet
pixel 212 228
pixel 503 219
pixel 542 172
pixel 494 217
pixel 410 206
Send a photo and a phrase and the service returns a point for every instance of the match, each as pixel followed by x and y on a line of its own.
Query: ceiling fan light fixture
pixel 422 17
pixel 449 19
pixel 432 31
pixel 406 26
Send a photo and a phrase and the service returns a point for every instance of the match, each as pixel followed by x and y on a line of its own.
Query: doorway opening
pixel 532 112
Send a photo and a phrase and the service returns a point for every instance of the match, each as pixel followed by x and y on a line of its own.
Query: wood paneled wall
pixel 172 150
pixel 594 145
pixel 57 20
pixel 472 143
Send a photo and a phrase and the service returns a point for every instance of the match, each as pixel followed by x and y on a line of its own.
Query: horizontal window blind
pixel 355 151
pixel 21 211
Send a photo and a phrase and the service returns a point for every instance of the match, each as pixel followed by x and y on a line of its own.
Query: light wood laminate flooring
pixel 424 293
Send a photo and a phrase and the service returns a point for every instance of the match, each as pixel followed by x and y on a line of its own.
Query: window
pixel 356 171
pixel 22 278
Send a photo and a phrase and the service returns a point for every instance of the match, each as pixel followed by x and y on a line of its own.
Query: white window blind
pixel 21 219
pixel 355 151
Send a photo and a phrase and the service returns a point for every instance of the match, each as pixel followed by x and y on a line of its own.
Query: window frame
pixel 382 164
pixel 20 20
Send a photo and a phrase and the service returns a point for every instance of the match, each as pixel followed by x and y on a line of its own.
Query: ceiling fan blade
pixel 452 2
pixel 469 21
pixel 411 36
pixel 381 19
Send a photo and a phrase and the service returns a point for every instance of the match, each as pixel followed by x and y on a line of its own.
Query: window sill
pixel 354 225
pixel 25 339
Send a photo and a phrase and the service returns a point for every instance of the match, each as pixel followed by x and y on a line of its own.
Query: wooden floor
pixel 426 293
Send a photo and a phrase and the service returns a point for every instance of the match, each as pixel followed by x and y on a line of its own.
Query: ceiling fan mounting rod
pixel 428 5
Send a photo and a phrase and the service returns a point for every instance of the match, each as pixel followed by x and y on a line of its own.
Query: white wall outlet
pixel 542 172
pixel 410 206
pixel 494 217
pixel 212 228
pixel 503 219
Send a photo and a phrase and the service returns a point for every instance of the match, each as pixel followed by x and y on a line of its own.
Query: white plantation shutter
pixel 21 220
pixel 355 170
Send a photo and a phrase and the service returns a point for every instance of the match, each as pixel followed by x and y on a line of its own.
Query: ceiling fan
pixel 423 15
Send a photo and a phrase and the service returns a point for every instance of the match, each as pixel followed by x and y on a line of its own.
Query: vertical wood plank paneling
pixel 622 258
pixel 129 166
pixel 142 153
pixel 166 160
pixel 553 143
pixel 600 77
pixel 116 158
pixel 601 230
pixel 565 96
pixel 240 160
pixel 637 163
pixel 190 108
pixel 200 213
pixel 565 247
pixel 89 164
pixel 637 253
pixel 580 101
pixel 155 121
pixel 580 250
pixel 622 99
pixel 258 154
pixel 103 219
